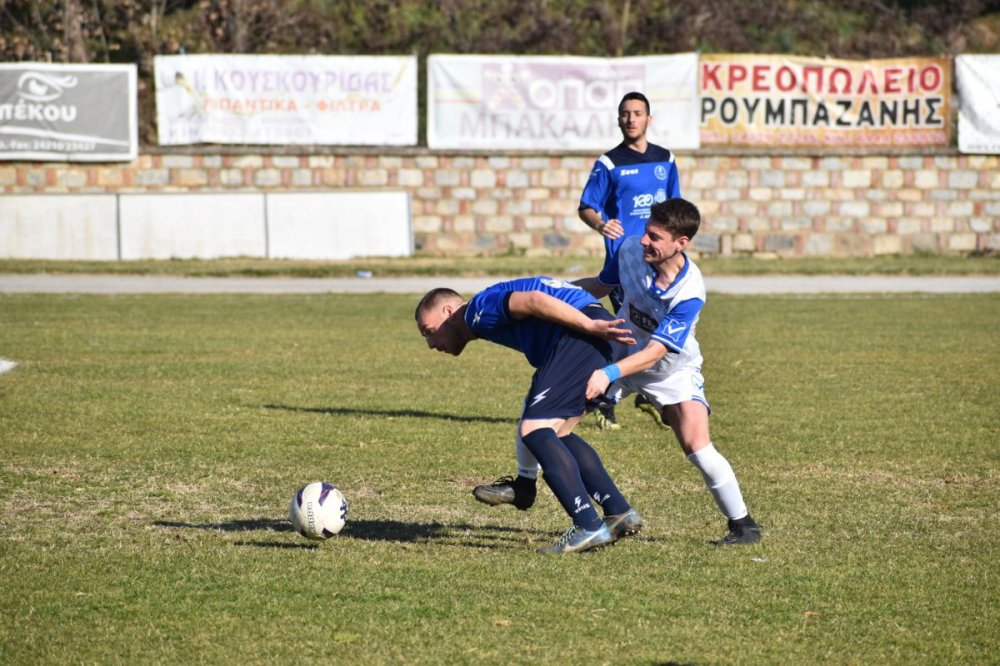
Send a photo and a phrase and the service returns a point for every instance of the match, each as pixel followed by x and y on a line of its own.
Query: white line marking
pixel 6 366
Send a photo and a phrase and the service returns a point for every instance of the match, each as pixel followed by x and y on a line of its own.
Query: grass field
pixel 517 264
pixel 149 446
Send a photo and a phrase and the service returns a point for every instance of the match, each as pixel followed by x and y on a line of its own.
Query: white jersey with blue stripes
pixel 669 315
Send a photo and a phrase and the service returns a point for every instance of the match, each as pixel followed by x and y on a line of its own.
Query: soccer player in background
pixel 521 314
pixel 623 184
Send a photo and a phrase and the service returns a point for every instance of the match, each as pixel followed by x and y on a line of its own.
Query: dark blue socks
pixel 562 474
pixel 596 479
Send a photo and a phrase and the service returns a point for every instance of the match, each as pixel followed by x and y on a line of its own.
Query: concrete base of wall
pixel 100 227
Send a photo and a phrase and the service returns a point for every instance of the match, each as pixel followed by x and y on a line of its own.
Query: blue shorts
pixel 559 385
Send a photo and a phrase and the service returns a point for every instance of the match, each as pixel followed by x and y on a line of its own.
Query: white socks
pixel 721 481
pixel 527 464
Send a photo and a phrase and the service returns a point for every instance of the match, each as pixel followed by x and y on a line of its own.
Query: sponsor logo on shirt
pixel 628 172
pixel 661 195
pixel 642 201
pixel 641 319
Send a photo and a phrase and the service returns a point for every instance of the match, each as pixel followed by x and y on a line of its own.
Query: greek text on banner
pixel 772 100
pixel 556 103
pixel 72 113
pixel 244 99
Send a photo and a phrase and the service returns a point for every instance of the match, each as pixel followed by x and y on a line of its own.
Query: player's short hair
pixel 678 216
pixel 634 95
pixel 435 297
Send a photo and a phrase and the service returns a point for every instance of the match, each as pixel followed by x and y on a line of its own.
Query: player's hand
pixel 597 384
pixel 611 330
pixel 612 229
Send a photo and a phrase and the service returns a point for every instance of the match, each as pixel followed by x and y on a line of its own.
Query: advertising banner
pixel 978 83
pixel 68 113
pixel 775 100
pixel 246 99
pixel 554 102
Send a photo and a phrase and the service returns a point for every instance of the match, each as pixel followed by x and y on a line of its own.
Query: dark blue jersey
pixel 488 316
pixel 624 184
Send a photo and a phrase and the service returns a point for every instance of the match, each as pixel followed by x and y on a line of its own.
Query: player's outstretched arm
pixel 643 359
pixel 543 306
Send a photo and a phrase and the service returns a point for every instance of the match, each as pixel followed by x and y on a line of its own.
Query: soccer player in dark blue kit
pixel 521 314
pixel 624 183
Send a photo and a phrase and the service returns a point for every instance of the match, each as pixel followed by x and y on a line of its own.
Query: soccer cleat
pixel 507 490
pixel 606 418
pixel 741 531
pixel 642 403
pixel 624 524
pixel 576 540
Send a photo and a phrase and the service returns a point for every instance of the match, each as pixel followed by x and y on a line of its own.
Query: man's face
pixel 439 329
pixel 633 119
pixel 659 245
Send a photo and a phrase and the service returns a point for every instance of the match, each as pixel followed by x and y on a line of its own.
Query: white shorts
pixel 679 386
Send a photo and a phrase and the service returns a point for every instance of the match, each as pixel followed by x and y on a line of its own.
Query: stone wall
pixel 786 205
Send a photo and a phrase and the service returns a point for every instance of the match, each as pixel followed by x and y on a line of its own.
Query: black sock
pixel 562 474
pixel 595 477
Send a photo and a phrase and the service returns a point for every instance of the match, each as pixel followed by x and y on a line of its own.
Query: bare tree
pixel 73 35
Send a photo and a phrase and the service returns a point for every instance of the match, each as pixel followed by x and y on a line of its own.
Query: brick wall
pixel 792 205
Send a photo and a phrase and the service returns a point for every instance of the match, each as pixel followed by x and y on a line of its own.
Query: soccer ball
pixel 318 510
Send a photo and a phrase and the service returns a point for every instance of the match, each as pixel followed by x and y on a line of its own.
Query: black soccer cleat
pixel 518 491
pixel 742 531
pixel 606 417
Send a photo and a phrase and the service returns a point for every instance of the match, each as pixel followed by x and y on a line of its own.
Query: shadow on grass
pixel 279 546
pixel 409 413
pixel 248 525
pixel 458 534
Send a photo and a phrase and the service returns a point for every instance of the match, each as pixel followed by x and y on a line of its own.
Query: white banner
pixel 71 113
pixel 978 81
pixel 246 99
pixel 555 102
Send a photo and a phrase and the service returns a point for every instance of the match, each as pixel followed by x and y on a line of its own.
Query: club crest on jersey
pixel 641 319
pixel 675 329
pixel 660 172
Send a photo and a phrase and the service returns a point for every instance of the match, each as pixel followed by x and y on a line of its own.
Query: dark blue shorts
pixel 559 385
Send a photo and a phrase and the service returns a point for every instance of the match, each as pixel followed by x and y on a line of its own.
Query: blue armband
pixel 612 371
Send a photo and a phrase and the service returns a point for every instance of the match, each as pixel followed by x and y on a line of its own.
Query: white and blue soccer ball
pixel 318 511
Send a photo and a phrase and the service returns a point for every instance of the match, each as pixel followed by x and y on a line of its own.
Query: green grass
pixel 149 446
pixel 514 264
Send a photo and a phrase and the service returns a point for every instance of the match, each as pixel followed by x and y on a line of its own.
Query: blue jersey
pixel 488 316
pixel 624 184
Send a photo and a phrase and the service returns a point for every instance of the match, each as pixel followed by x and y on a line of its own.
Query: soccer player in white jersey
pixel 663 296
